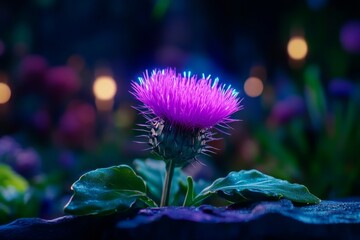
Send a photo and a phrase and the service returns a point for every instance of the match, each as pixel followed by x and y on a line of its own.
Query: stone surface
pixel 264 220
pixel 68 227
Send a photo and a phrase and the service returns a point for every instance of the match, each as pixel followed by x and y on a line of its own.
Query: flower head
pixel 185 100
pixel 181 110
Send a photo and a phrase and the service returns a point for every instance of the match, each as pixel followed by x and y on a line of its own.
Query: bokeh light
pixel 297 48
pixel 104 88
pixel 253 87
pixel 5 93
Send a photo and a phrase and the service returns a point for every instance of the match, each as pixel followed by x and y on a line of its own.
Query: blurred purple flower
pixel 33 69
pixel 340 88
pixel 26 162
pixel 185 100
pixel 62 81
pixel 287 109
pixel 350 36
pixel 8 146
pixel 76 126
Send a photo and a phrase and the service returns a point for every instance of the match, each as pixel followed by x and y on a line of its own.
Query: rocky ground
pixel 263 220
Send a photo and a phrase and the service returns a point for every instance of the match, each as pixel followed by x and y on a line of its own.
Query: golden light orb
pixel 253 87
pixel 5 93
pixel 297 48
pixel 104 88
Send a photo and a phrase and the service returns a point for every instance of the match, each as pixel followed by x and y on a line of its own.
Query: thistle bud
pixel 181 111
pixel 175 143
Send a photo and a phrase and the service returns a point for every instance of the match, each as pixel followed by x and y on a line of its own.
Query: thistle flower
pixel 181 110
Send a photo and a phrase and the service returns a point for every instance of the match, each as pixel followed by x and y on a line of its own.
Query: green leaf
pixel 199 185
pixel 8 178
pixel 190 193
pixel 14 194
pixel 252 185
pixel 153 172
pixel 315 96
pixel 106 191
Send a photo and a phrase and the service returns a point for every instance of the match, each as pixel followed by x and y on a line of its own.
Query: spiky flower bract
pixel 181 109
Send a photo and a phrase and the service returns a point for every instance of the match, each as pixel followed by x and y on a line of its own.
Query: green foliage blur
pixel 14 195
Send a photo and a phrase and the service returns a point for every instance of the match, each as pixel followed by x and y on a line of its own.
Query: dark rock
pixel 67 227
pixel 265 220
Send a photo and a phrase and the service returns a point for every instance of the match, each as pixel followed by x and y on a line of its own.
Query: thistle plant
pixel 181 112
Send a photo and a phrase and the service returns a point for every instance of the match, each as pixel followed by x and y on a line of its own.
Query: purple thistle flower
pixel 181 110
pixel 186 101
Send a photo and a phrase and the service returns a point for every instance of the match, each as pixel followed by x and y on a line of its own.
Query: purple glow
pixel 341 87
pixel 62 80
pixel 350 36
pixel 287 109
pixel 33 68
pixel 185 100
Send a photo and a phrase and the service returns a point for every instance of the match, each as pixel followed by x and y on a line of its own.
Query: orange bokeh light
pixel 253 87
pixel 104 88
pixel 297 48
pixel 5 93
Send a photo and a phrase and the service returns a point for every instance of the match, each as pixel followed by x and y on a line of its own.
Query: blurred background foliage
pixel 66 68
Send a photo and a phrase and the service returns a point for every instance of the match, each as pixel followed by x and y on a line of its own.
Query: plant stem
pixel 167 183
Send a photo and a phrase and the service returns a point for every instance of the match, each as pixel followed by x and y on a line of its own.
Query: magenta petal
pixel 185 100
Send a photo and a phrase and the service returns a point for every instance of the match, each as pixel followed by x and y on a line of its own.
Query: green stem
pixel 167 183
